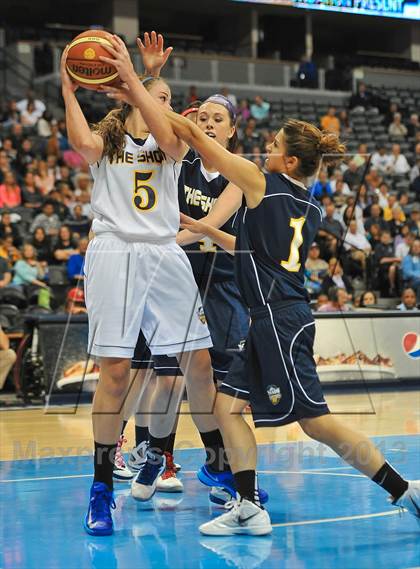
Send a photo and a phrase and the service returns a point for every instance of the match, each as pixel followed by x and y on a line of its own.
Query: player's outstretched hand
pixel 66 83
pixel 121 93
pixel 153 54
pixel 121 59
pixel 193 225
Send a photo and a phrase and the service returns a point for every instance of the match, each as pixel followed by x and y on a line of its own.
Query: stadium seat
pixel 57 275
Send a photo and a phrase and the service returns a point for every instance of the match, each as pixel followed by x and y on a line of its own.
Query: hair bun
pixel 330 147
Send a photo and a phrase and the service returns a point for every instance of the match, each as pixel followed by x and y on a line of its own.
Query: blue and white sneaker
pixel 221 497
pixel 223 481
pixel 144 484
pixel 410 500
pixel 98 520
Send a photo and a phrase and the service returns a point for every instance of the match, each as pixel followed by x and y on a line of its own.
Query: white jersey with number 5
pixel 135 195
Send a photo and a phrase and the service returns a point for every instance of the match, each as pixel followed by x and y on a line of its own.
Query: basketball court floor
pixel 324 513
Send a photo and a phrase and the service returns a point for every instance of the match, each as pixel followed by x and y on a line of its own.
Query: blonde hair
pixel 112 127
pixel 309 145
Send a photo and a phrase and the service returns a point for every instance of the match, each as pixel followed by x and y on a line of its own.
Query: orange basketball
pixel 83 63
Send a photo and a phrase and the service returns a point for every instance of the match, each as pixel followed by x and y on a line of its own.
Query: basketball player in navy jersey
pixel 277 224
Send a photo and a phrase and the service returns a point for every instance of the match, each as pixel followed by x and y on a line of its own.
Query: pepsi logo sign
pixel 411 345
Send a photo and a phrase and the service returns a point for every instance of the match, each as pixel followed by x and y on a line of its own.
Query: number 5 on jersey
pixel 144 195
pixel 293 262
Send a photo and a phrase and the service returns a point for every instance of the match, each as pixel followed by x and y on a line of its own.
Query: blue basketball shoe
pixel 223 486
pixel 144 484
pixel 98 520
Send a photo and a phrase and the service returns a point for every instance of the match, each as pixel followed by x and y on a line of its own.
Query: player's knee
pixel 200 366
pixel 314 428
pixel 115 377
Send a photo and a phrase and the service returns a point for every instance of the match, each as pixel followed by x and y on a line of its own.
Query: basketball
pixel 83 63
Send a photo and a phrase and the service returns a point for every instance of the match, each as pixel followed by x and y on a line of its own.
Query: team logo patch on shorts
pixel 274 394
pixel 201 315
pixel 241 345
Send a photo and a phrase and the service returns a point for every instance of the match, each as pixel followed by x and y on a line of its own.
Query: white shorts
pixel 147 286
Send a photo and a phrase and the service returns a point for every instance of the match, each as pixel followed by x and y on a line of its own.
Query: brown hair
pixel 111 127
pixel 310 145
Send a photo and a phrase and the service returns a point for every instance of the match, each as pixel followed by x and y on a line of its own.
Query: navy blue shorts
pixel 228 322
pixel 276 371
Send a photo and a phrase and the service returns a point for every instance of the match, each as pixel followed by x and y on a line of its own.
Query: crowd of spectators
pixel 369 238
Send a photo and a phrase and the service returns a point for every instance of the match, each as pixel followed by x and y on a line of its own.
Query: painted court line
pixel 342 519
pixel 189 472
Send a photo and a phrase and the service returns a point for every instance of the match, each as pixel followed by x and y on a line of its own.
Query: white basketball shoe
pixel 243 518
pixel 410 500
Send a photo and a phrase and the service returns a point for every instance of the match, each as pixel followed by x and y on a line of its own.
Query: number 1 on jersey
pixel 293 262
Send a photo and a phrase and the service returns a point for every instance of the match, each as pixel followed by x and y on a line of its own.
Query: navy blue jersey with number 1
pixel 273 241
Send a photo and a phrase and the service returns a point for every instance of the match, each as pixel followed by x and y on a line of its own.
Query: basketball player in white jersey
pixel 136 276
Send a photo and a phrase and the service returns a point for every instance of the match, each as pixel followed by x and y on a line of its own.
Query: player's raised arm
pixel 226 205
pixel 82 139
pixel 135 94
pixel 243 173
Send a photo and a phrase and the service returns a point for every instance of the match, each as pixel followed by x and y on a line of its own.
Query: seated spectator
pixel 7 358
pixel 399 163
pixel 321 186
pixel 336 278
pixel 29 117
pixel 353 176
pixel 403 199
pixel 397 129
pixel 315 269
pixel 414 221
pixel 250 137
pixel 28 271
pixel 25 156
pixel 5 273
pixel 376 218
pixel 374 236
pixel 330 122
pixel 260 110
pixel 60 207
pixel 397 222
pixel 320 301
pixel 357 244
pixel 10 195
pixel 31 195
pixel 368 298
pixel 9 229
pixel 44 178
pixel 338 179
pixel 83 183
pixel 11 116
pixel 383 196
pixel 244 112
pixel 415 179
pixel 373 180
pixel 76 261
pixel 337 301
pixel 402 249
pixel 361 157
pixel 75 301
pixel 330 225
pixel 382 161
pixel 409 300
pixel 43 125
pixel 84 200
pixel 78 222
pixel 31 98
pixel 42 245
pixel 386 264
pixel 64 246
pixel 411 267
pixel 413 126
pixel 362 98
pixel 48 219
pixel 4 164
